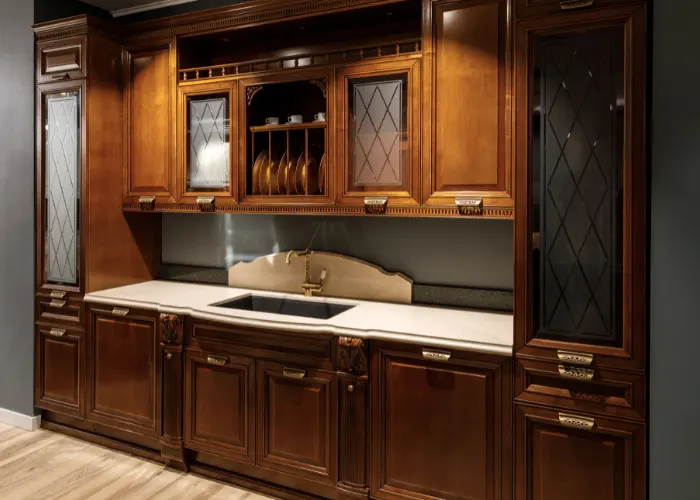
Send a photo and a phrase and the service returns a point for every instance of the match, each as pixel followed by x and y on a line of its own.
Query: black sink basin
pixel 289 307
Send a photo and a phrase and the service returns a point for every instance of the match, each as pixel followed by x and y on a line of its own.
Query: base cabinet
pixel 124 372
pixel 559 455
pixel 438 427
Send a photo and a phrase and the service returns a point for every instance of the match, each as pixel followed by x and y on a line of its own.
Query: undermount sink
pixel 289 307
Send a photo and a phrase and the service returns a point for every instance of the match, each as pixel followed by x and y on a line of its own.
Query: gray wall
pixel 17 206
pixel 471 253
pixel 675 254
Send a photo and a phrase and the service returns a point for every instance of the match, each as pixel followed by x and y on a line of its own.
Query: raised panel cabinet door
pixel 60 370
pixel 436 428
pixel 220 405
pixel 467 134
pixel 124 370
pixel 559 455
pixel 207 123
pixel 60 173
pixel 149 112
pixel 379 145
pixel 297 421
pixel 581 242
pixel 64 59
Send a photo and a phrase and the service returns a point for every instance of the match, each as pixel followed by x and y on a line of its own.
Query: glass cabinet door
pixel 586 231
pixel 62 168
pixel 381 109
pixel 206 147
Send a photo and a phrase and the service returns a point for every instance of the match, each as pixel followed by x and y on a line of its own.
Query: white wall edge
pixel 15 419
pixel 157 4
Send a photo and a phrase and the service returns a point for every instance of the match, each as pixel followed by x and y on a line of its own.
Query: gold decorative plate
pixel 307 175
pixel 261 159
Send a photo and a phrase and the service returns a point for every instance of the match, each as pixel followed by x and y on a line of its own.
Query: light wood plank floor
pixel 43 465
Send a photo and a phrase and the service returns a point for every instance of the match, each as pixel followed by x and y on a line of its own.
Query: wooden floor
pixel 43 465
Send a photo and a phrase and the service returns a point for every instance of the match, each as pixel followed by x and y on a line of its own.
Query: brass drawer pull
pixel 118 311
pixel 292 373
pixel 57 332
pixel 576 422
pixel 470 206
pixel 57 303
pixel 206 203
pixel 376 205
pixel 64 76
pixel 436 355
pixel 217 360
pixel 58 295
pixel 574 373
pixel 575 358
pixel 575 4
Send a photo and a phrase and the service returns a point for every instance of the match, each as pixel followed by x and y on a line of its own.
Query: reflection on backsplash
pixel 465 253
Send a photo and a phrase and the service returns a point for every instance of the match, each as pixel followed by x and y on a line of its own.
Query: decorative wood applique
pixel 171 327
pixel 352 356
pixel 251 91
pixel 321 84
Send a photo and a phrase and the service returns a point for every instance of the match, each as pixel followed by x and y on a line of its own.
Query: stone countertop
pixel 469 330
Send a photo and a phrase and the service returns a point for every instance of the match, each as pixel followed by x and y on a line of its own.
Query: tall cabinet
pixel 581 247
pixel 84 241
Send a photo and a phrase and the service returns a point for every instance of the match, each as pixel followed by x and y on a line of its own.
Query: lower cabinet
pixel 439 429
pixel 297 421
pixel 560 455
pixel 220 405
pixel 60 373
pixel 124 370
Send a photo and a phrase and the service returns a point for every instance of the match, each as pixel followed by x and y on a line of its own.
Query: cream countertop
pixel 432 326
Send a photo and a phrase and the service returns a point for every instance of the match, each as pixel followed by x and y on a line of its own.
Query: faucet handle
pixel 324 273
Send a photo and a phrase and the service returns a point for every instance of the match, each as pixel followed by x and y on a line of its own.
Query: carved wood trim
pixel 352 356
pixel 321 84
pixel 251 91
pixel 171 327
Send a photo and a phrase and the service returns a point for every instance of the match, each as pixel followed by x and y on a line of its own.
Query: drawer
pixel 66 311
pixel 535 8
pixel 589 389
pixel 63 59
pixel 313 350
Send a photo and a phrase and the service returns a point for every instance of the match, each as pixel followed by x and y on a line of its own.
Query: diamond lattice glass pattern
pixel 378 126
pixel 579 132
pixel 208 144
pixel 62 162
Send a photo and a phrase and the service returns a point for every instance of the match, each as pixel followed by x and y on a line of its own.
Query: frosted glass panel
pixel 378 129
pixel 208 138
pixel 62 162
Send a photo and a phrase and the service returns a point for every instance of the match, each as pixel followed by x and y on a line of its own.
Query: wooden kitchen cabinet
pixel 536 8
pixel 60 370
pixel 467 153
pixel 297 421
pixel 220 405
pixel 379 142
pixel 124 370
pixel 149 120
pixel 560 455
pixel 440 424
pixel 64 59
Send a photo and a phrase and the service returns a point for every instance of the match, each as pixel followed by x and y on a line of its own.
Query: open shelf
pixel 287 126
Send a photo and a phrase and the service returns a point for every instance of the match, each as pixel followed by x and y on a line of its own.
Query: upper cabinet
pixel 64 59
pixel 467 125
pixel 149 112
pixel 581 230
pixel 533 8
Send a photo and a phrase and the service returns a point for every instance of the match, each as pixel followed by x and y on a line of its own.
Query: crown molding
pixel 157 4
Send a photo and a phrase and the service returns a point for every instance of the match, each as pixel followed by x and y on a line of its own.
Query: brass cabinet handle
pixel 576 422
pixel 292 373
pixel 351 388
pixel 57 332
pixel 57 303
pixel 436 355
pixel 217 360
pixel 57 295
pixel 118 311
pixel 168 355
pixel 574 373
pixel 64 76
pixel 575 4
pixel 575 358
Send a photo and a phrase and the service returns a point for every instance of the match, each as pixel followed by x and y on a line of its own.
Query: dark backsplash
pixel 446 252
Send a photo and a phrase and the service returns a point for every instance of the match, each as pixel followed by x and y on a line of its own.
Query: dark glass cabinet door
pixel 583 241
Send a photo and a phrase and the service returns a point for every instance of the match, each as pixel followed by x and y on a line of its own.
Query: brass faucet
pixel 308 287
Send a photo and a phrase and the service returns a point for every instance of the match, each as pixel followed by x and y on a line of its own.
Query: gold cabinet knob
pixel 169 355
pixel 351 388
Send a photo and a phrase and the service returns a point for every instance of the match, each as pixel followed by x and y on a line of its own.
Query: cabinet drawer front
pixel 124 380
pixel 61 60
pixel 591 389
pixel 65 311
pixel 60 379
pixel 220 405
pixel 297 421
pixel 555 461
pixel 534 8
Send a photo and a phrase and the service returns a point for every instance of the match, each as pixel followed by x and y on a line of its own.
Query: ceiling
pixel 125 7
